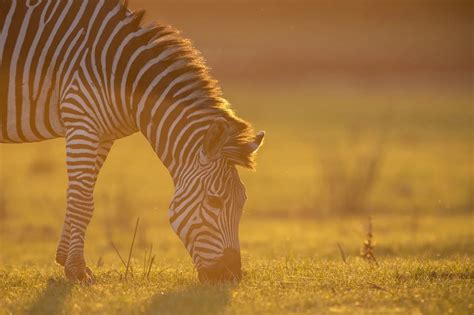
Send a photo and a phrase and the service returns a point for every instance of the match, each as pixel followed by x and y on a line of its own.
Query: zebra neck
pixel 169 92
pixel 177 132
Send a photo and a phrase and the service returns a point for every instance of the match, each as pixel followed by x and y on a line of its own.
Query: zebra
pixel 90 72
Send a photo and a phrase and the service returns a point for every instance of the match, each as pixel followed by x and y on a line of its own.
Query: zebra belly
pixel 27 122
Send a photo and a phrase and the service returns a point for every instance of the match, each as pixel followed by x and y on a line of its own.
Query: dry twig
pixel 367 251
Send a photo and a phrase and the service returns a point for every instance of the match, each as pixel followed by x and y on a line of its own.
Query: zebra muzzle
pixel 227 268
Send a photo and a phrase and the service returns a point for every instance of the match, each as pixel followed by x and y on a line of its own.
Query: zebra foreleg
pixel 85 155
pixel 63 246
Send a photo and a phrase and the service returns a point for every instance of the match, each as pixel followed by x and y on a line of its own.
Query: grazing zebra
pixel 89 72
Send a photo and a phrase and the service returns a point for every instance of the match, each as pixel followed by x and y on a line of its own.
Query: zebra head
pixel 208 202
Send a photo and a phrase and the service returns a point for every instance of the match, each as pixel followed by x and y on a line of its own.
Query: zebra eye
pixel 214 201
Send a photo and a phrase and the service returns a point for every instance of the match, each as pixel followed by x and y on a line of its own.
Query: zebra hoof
pixel 61 259
pixel 79 273
pixel 88 278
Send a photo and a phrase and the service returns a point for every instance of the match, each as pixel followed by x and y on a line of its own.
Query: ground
pixel 289 267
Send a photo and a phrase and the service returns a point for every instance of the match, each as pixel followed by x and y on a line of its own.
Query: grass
pixel 284 285
pixel 289 267
pixel 368 112
pixel 307 210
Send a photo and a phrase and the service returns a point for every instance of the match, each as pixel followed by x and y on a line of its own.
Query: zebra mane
pixel 237 148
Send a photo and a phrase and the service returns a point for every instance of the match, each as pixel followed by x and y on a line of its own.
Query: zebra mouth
pixel 227 269
pixel 218 274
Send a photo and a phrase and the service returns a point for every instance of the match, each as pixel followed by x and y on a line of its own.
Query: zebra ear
pixel 216 135
pixel 257 142
pixel 243 154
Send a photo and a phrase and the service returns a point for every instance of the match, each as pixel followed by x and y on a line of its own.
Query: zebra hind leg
pixel 85 155
pixel 63 246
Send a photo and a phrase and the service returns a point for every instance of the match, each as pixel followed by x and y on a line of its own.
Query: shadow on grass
pixel 52 299
pixel 194 299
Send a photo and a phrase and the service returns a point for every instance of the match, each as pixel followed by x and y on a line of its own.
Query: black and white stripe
pixel 87 71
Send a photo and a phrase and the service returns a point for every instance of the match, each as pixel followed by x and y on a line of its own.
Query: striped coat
pixel 89 72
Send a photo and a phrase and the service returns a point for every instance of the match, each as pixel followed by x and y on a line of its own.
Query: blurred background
pixel 368 111
pixel 367 104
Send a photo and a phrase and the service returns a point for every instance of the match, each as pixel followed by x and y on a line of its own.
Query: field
pixel 290 267
pixel 423 244
pixel 365 119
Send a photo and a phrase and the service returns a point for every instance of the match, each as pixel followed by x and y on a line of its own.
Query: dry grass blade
pixel 149 267
pixel 118 254
pixel 131 249
pixel 377 287
pixel 343 256
pixel 100 262
pixel 163 270
pixel 144 262
pixel 147 260
pixel 149 255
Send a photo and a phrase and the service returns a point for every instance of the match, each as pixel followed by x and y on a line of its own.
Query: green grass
pixel 290 285
pixel 420 197
pixel 290 266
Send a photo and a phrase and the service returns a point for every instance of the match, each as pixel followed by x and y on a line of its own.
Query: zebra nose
pixel 231 260
pixel 231 265
pixel 227 268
